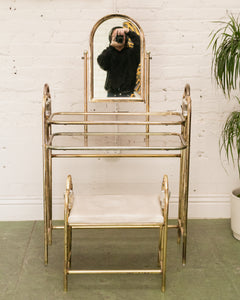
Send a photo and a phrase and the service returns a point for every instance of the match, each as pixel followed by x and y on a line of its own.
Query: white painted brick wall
pixel 43 41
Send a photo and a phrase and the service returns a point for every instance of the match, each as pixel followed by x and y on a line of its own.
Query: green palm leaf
pixel 225 43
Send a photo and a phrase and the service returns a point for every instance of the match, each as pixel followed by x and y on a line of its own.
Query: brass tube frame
pixel 114 155
pixel 187 136
pixel 85 94
pixel 158 113
pixel 184 155
pixel 147 89
pixel 47 168
pixel 114 271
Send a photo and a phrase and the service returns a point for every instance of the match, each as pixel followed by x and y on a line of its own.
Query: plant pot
pixel 235 213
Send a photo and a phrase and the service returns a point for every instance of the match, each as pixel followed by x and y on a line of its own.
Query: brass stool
pixel 116 211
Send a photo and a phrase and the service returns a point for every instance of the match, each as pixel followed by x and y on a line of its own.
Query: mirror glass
pixel 116 60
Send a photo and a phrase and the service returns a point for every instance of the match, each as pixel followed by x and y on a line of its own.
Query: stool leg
pixel 184 250
pixel 181 196
pixel 160 248
pixel 66 255
pixel 69 247
pixel 164 257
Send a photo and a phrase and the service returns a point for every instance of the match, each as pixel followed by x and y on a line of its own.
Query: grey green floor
pixel 212 270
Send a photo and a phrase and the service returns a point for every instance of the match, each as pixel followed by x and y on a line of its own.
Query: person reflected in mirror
pixel 121 62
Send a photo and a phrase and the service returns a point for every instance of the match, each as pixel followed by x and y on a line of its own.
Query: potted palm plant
pixel 225 42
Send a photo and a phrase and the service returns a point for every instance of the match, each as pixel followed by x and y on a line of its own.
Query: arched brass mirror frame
pixel 142 62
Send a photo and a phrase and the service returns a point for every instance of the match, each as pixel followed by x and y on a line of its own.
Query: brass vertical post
pixel 187 136
pixel 66 240
pixel 85 57
pixel 50 196
pixel 165 231
pixel 147 93
pixel 44 178
pixel 46 112
pixel 181 195
pixel 67 232
pixel 148 57
pixel 46 205
pixel 160 247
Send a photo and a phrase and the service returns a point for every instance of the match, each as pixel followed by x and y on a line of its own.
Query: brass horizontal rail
pixel 113 155
pixel 58 227
pixel 114 226
pixel 173 226
pixel 62 227
pixel 118 133
pixel 118 99
pixel 114 271
pixel 166 113
pixel 84 122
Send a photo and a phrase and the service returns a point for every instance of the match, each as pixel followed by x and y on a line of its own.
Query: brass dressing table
pixel 143 134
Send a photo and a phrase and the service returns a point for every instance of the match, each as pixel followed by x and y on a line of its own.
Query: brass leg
pixel 45 233
pixel 160 247
pixel 164 257
pixel 185 206
pixel 66 256
pixel 70 247
pixel 46 204
pixel 184 249
pixel 50 200
pixel 187 135
pixel 181 196
pixel 179 235
pixel 184 245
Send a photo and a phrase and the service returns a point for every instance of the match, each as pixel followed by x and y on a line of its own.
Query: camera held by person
pixel 119 38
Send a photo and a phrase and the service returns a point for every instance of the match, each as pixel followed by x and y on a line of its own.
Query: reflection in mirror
pixel 117 60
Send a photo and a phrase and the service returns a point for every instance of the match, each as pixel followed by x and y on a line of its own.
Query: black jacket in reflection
pixel 121 66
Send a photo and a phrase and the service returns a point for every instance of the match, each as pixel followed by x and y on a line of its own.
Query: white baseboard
pixel 200 207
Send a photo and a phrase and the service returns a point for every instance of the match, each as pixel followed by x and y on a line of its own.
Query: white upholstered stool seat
pixel 116 209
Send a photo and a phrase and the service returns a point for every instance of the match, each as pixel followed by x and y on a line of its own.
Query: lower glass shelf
pixel 116 141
